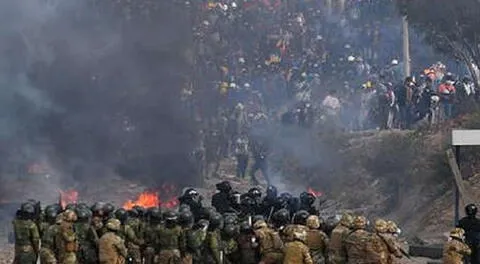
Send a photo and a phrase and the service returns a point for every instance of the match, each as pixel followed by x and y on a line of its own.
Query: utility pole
pixel 328 6
pixel 406 43
pixel 341 6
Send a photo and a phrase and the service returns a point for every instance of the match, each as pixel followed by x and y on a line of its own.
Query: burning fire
pixel 315 193
pixel 146 199
pixel 68 197
pixel 152 199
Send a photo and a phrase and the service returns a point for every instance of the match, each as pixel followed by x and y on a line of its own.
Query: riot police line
pixel 239 228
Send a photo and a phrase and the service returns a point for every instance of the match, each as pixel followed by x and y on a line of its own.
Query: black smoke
pixel 97 83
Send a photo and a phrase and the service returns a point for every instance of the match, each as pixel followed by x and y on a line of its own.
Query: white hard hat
pixel 304 74
pixel 351 58
pixel 241 60
pixel 234 5
pixel 394 62
pixel 233 85
pixel 319 37
pixel 246 85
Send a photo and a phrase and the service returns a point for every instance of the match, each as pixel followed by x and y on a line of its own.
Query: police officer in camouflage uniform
pixel 230 245
pixel 317 240
pixel 87 248
pixel 270 243
pixel 111 247
pixel 27 238
pixel 186 220
pixel 169 240
pixel 296 252
pixel 66 239
pixel 132 242
pixel 47 251
pixel 213 251
pixel 356 242
pixel 153 227
pixel 336 249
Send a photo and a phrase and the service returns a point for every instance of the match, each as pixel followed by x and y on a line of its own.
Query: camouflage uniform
pixel 296 252
pixel 455 249
pixel 47 252
pixel 132 242
pixel 150 240
pixel 391 239
pixel 382 248
pixel 230 247
pixel 317 240
pixel 111 248
pixel 271 245
pixel 66 239
pixel 168 245
pixel 336 249
pixel 195 239
pixel 356 242
pixel 27 241
pixel 213 248
pixel 87 252
pixel 287 234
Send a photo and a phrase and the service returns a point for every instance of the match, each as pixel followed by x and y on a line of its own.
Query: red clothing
pixel 446 88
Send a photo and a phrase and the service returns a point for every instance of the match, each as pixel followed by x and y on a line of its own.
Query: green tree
pixel 450 27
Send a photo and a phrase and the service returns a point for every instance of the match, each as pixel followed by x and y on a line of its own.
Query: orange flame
pixel 146 199
pixel 152 199
pixel 315 193
pixel 68 197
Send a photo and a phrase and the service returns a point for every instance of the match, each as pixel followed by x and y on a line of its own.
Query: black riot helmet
pixel 171 218
pixel 51 214
pixel 122 215
pixel 108 209
pixel 307 198
pixel 216 221
pixel 83 214
pixel 186 219
pixel 71 206
pixel 133 213
pixel 98 209
pixel 255 193
pixel 192 195
pixel 141 210
pixel 224 186
pixel 281 217
pixel 300 217
pixel 230 219
pixel 271 192
pixel 246 228
pixel 230 231
pixel 155 215
pixel 471 210
pixel 27 210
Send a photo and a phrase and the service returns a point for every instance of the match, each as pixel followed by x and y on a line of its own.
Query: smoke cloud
pixel 97 83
